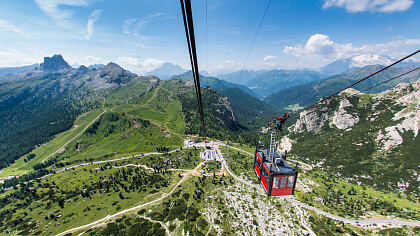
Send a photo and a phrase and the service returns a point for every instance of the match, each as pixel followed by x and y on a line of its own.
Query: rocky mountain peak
pixel 114 70
pixel 54 63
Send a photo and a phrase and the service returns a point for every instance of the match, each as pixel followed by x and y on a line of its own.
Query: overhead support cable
pixel 253 41
pixel 189 32
pixel 367 77
pixel 207 57
pixel 386 81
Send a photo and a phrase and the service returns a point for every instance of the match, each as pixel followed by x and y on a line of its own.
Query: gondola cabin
pixel 275 175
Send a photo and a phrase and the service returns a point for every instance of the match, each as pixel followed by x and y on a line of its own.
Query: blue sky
pixel 141 35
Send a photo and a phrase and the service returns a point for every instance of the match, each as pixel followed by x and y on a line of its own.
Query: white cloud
pixel 317 45
pixel 94 16
pixel 386 6
pixel 133 25
pixel 92 59
pixel 139 66
pixel 320 49
pixel 12 58
pixel 50 8
pixel 227 66
pixel 8 26
pixel 269 57
pixel 230 64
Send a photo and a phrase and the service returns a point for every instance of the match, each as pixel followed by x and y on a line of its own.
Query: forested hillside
pixel 216 83
pixel 276 80
pixel 35 109
pixel 251 112
pixel 304 95
pixel 367 139
pixel 37 105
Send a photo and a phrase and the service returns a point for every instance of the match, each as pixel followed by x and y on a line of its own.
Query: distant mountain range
pixel 360 61
pixel 166 71
pixel 14 70
pixel 96 66
pixel 261 83
pixel 215 83
pixel 241 77
pixel 306 94
pixel 277 80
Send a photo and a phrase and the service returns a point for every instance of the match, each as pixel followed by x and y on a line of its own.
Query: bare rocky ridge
pixel 407 95
pixel 54 63
pixel 367 138
pixel 311 121
pixel 342 119
pixel 227 112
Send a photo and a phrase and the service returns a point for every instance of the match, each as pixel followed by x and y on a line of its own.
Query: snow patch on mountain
pixel 355 62
pixel 369 59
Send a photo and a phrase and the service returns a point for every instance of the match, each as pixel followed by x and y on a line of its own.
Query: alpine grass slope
pixel 367 139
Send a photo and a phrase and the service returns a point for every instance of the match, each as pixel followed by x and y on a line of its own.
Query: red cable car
pixel 277 178
pixel 274 173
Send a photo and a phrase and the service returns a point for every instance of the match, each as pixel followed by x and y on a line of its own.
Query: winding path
pixel 109 217
pixel 118 159
pixel 361 223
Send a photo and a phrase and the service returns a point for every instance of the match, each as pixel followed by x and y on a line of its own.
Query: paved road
pixel 118 159
pixel 301 164
pixel 362 223
pixel 100 162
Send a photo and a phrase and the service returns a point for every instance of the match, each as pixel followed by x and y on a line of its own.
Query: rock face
pixel 225 109
pixel 409 97
pixel 342 119
pixel 113 70
pixel 311 120
pixel 367 138
pixel 285 144
pixel 111 76
pixel 390 139
pixel 54 63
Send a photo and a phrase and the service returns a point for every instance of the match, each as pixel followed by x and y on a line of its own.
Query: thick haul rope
pixel 189 32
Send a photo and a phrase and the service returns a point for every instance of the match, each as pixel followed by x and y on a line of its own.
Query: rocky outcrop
pixel 312 120
pixel 225 110
pixel 285 144
pixel 54 63
pixel 113 70
pixel 83 68
pixel 389 138
pixel 111 76
pixel 343 120
pixel 315 118
pixel 409 97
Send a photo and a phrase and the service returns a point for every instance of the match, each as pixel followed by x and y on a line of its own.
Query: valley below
pixel 131 160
